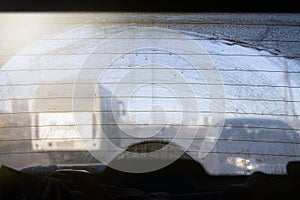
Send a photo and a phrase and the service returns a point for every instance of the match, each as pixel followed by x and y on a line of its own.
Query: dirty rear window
pixel 84 88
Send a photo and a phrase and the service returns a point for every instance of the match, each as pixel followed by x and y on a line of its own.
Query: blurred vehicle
pixel 61 129
pixel 254 144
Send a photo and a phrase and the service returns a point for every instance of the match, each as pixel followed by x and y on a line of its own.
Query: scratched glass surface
pixel 83 88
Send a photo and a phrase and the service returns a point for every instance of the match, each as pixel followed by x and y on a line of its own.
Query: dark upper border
pixel 282 6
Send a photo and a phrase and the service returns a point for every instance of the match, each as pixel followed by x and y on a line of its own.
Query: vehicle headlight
pixel 239 162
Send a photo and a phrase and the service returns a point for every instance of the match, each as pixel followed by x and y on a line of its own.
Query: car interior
pixel 134 100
